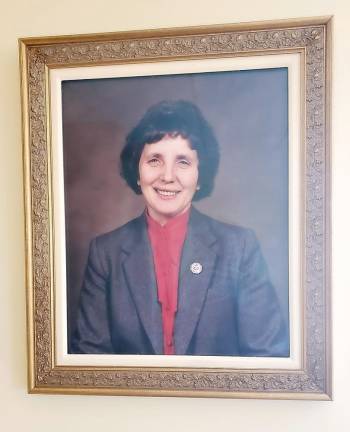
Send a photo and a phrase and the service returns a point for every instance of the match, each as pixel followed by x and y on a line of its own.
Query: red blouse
pixel 167 242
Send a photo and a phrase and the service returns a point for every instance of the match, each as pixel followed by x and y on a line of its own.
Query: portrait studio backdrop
pixel 248 111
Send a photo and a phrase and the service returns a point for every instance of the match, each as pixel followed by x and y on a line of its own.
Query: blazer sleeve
pixel 261 325
pixel 92 334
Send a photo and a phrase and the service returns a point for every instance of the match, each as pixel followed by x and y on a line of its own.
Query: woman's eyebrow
pixel 154 155
pixel 183 156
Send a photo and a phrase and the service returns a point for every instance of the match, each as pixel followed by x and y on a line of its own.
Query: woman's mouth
pixel 166 193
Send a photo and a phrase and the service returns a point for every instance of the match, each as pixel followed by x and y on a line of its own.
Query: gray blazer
pixel 229 308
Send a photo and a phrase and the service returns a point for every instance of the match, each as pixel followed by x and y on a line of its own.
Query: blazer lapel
pixel 139 273
pixel 193 287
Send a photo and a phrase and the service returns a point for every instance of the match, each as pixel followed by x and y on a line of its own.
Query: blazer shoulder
pixel 225 232
pixel 121 235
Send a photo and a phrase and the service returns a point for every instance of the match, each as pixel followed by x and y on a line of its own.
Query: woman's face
pixel 168 172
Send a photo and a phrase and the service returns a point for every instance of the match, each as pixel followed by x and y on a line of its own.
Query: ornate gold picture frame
pixel 75 92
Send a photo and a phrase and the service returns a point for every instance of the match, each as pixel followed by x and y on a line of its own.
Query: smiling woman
pixel 174 281
pixel 168 172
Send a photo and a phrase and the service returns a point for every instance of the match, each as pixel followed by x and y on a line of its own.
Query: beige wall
pixel 22 412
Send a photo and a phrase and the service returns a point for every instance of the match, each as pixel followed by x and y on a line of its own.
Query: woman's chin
pixel 166 211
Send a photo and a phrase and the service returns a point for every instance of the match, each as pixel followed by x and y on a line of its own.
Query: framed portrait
pixel 177 186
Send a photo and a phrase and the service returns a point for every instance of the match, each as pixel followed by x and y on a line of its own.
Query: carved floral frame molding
pixel 37 55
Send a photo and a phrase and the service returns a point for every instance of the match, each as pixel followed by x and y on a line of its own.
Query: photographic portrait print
pixel 249 112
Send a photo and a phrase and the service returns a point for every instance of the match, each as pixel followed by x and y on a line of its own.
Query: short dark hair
pixel 173 118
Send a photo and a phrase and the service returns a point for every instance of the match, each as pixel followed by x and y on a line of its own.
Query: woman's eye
pixel 184 162
pixel 154 162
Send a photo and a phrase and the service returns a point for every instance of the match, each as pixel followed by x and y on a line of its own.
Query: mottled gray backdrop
pixel 248 111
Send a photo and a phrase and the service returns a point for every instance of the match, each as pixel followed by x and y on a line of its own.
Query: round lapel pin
pixel 196 268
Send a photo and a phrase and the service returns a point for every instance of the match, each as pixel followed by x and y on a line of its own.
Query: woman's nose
pixel 168 174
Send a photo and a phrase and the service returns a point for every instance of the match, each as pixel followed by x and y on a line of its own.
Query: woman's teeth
pixel 166 193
